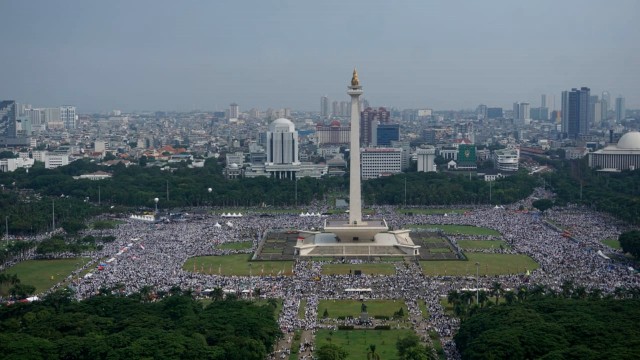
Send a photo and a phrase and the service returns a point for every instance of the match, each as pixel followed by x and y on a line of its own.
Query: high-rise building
pixel 516 111
pixel 234 111
pixel 525 111
pixel 494 112
pixel 282 142
pixel 334 133
pixel 378 162
pixel 324 107
pixel 606 102
pixel 481 111
pixel 426 159
pixel 543 100
pixel 621 111
pixel 8 118
pixel 576 112
pixel 386 133
pixel 595 110
pixel 368 120
pixel 68 116
pixel 335 108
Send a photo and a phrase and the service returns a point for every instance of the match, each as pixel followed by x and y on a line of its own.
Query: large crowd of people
pixel 153 256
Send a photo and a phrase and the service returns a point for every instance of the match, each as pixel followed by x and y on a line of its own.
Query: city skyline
pixel 161 56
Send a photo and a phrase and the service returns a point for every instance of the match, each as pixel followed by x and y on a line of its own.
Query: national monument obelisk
pixel 355 194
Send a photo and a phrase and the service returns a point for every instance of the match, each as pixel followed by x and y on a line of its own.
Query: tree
pixel 406 342
pixel 331 352
pixel 543 204
pixel 630 242
pixel 372 354
pixel 496 290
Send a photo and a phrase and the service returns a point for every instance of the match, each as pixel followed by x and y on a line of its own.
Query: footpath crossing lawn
pixel 489 264
pixel 43 274
pixel 356 342
pixel 367 269
pixel 339 308
pixel 458 229
pixel 236 265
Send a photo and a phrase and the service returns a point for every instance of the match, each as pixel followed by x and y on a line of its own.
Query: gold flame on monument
pixel 354 79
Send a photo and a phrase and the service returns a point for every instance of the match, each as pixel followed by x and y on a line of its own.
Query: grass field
pixel 43 274
pixel 459 229
pixel 482 244
pixel 423 309
pixel 437 344
pixel 368 269
pixel 338 308
pixel 431 211
pixel 106 224
pixel 235 245
pixel 613 243
pixel 356 342
pixel 238 265
pixel 490 264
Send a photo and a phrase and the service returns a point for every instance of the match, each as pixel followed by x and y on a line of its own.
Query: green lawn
pixel 238 265
pixel 432 211
pixel 439 250
pixel 235 245
pixel 448 308
pixel 437 344
pixel 458 229
pixel 489 264
pixel 423 308
pixel 613 243
pixel 369 269
pixel 338 308
pixel 356 342
pixel 106 224
pixel 43 274
pixel 482 244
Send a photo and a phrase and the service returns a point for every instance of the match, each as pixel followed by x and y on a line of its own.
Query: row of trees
pixel 553 328
pixel 175 327
pixel 615 193
pixel 467 302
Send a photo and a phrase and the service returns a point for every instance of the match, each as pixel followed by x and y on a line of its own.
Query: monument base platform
pixel 370 239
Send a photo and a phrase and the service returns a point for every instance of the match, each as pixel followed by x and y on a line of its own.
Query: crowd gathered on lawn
pixel 565 242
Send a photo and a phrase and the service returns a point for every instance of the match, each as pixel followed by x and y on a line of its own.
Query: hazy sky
pixel 183 55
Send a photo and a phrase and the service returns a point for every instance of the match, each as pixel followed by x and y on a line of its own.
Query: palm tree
pixel 453 297
pixel 372 355
pixel 522 293
pixel 482 297
pixel 537 291
pixel 496 290
pixel 217 294
pixel 509 297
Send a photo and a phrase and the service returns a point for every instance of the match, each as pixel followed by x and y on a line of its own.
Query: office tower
pixel 8 119
pixel 516 111
pixel 595 110
pixel 525 111
pixel 386 133
pixel 576 112
pixel 368 119
pixel 543 100
pixel 282 142
pixel 324 107
pixel 287 113
pixel 335 108
pixel 68 116
pixel 494 113
pixel 620 109
pixel 606 103
pixel 481 111
pixel 234 111
pixel 36 116
pixel 426 159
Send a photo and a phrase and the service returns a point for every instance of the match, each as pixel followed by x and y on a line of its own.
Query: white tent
pixel 229 224
pixel 301 214
pixel 218 225
pixel 239 214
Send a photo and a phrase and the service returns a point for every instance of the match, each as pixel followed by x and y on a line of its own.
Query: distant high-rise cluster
pixel 324 107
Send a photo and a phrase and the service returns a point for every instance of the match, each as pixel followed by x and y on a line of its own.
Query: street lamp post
pixel 210 190
pixel 477 288
pixel 156 201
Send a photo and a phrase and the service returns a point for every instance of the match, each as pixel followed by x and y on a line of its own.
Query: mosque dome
pixel 630 141
pixel 282 125
pixel 234 166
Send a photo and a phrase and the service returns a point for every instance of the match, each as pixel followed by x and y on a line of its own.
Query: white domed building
pixel 625 155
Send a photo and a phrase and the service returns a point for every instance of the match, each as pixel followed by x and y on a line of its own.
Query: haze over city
pixel 161 55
